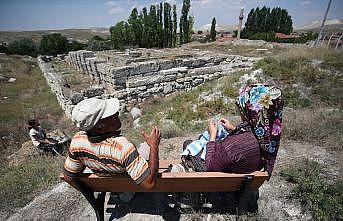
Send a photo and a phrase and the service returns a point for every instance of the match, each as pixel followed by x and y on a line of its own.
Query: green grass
pixel 19 184
pixel 324 200
pixel 28 97
pixel 187 110
pixel 324 82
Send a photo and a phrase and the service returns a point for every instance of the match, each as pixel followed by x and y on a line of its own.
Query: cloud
pixel 207 2
pixel 305 2
pixel 114 8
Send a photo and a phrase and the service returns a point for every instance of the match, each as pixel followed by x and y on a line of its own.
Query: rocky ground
pixel 64 203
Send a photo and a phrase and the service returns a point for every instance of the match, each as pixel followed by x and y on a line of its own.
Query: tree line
pixel 156 27
pixel 51 44
pixel 266 20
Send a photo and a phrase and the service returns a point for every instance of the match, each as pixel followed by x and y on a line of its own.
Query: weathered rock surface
pixel 135 113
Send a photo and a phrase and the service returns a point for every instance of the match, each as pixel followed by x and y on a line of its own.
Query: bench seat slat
pixel 213 184
pixel 174 182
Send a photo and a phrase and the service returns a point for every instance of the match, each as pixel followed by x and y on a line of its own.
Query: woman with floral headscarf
pixel 249 146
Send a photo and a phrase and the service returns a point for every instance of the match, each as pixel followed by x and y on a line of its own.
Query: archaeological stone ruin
pixel 134 75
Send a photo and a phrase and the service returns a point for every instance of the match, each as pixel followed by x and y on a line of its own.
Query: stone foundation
pixel 135 75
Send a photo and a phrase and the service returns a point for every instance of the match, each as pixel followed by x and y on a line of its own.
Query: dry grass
pixel 29 96
pixel 75 79
pixel 228 48
pixel 308 76
pixel 19 184
pixel 319 126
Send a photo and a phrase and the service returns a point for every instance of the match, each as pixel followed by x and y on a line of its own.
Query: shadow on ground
pixel 171 205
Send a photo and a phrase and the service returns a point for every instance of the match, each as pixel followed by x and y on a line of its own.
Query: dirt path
pixel 64 203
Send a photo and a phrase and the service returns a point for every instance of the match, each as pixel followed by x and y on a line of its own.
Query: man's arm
pixel 44 141
pixel 72 168
pixel 153 141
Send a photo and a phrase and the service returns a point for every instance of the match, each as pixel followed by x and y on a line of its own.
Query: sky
pixel 61 14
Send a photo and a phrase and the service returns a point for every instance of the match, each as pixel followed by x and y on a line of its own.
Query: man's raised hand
pixel 153 139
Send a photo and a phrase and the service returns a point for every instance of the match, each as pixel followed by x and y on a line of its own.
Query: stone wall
pixel 66 97
pixel 135 75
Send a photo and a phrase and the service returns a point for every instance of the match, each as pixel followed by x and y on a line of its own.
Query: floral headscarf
pixel 261 106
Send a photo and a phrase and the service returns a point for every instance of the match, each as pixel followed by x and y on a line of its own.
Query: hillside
pixel 82 34
pixel 331 25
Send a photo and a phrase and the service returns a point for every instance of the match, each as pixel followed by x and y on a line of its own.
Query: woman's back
pixel 238 153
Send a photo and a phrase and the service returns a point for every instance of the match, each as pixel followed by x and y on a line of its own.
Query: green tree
pixel 160 25
pixel 267 22
pixel 118 33
pixel 96 43
pixel 145 27
pixel 53 44
pixel 136 25
pixel 154 26
pixel 23 46
pixel 213 32
pixel 190 27
pixel 184 22
pixel 3 48
pixel 174 26
pixel 167 25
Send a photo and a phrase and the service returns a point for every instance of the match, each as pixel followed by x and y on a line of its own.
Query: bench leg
pixel 96 202
pixel 244 188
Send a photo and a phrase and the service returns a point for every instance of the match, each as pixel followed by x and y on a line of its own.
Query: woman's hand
pixel 227 124
pixel 212 130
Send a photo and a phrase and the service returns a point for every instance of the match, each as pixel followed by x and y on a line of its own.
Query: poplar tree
pixel 160 26
pixel 145 28
pixel 213 32
pixel 184 22
pixel 154 26
pixel 136 26
pixel 174 25
pixel 166 30
pixel 268 22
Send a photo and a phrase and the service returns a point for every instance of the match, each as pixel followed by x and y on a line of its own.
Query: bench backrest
pixel 174 182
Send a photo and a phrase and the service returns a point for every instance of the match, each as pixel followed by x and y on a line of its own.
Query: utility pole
pixel 323 23
pixel 240 24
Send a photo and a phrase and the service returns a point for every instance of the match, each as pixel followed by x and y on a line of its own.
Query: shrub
pixel 53 44
pixel 75 46
pixel 24 46
pixel 324 200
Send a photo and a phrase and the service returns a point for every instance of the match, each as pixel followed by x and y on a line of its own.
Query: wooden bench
pixel 89 183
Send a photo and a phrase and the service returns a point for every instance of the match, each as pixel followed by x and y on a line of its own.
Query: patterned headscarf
pixel 261 106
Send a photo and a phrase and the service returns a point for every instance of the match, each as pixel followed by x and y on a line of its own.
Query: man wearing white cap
pixel 100 147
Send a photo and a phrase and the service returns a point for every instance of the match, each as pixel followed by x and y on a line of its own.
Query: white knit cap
pixel 88 112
